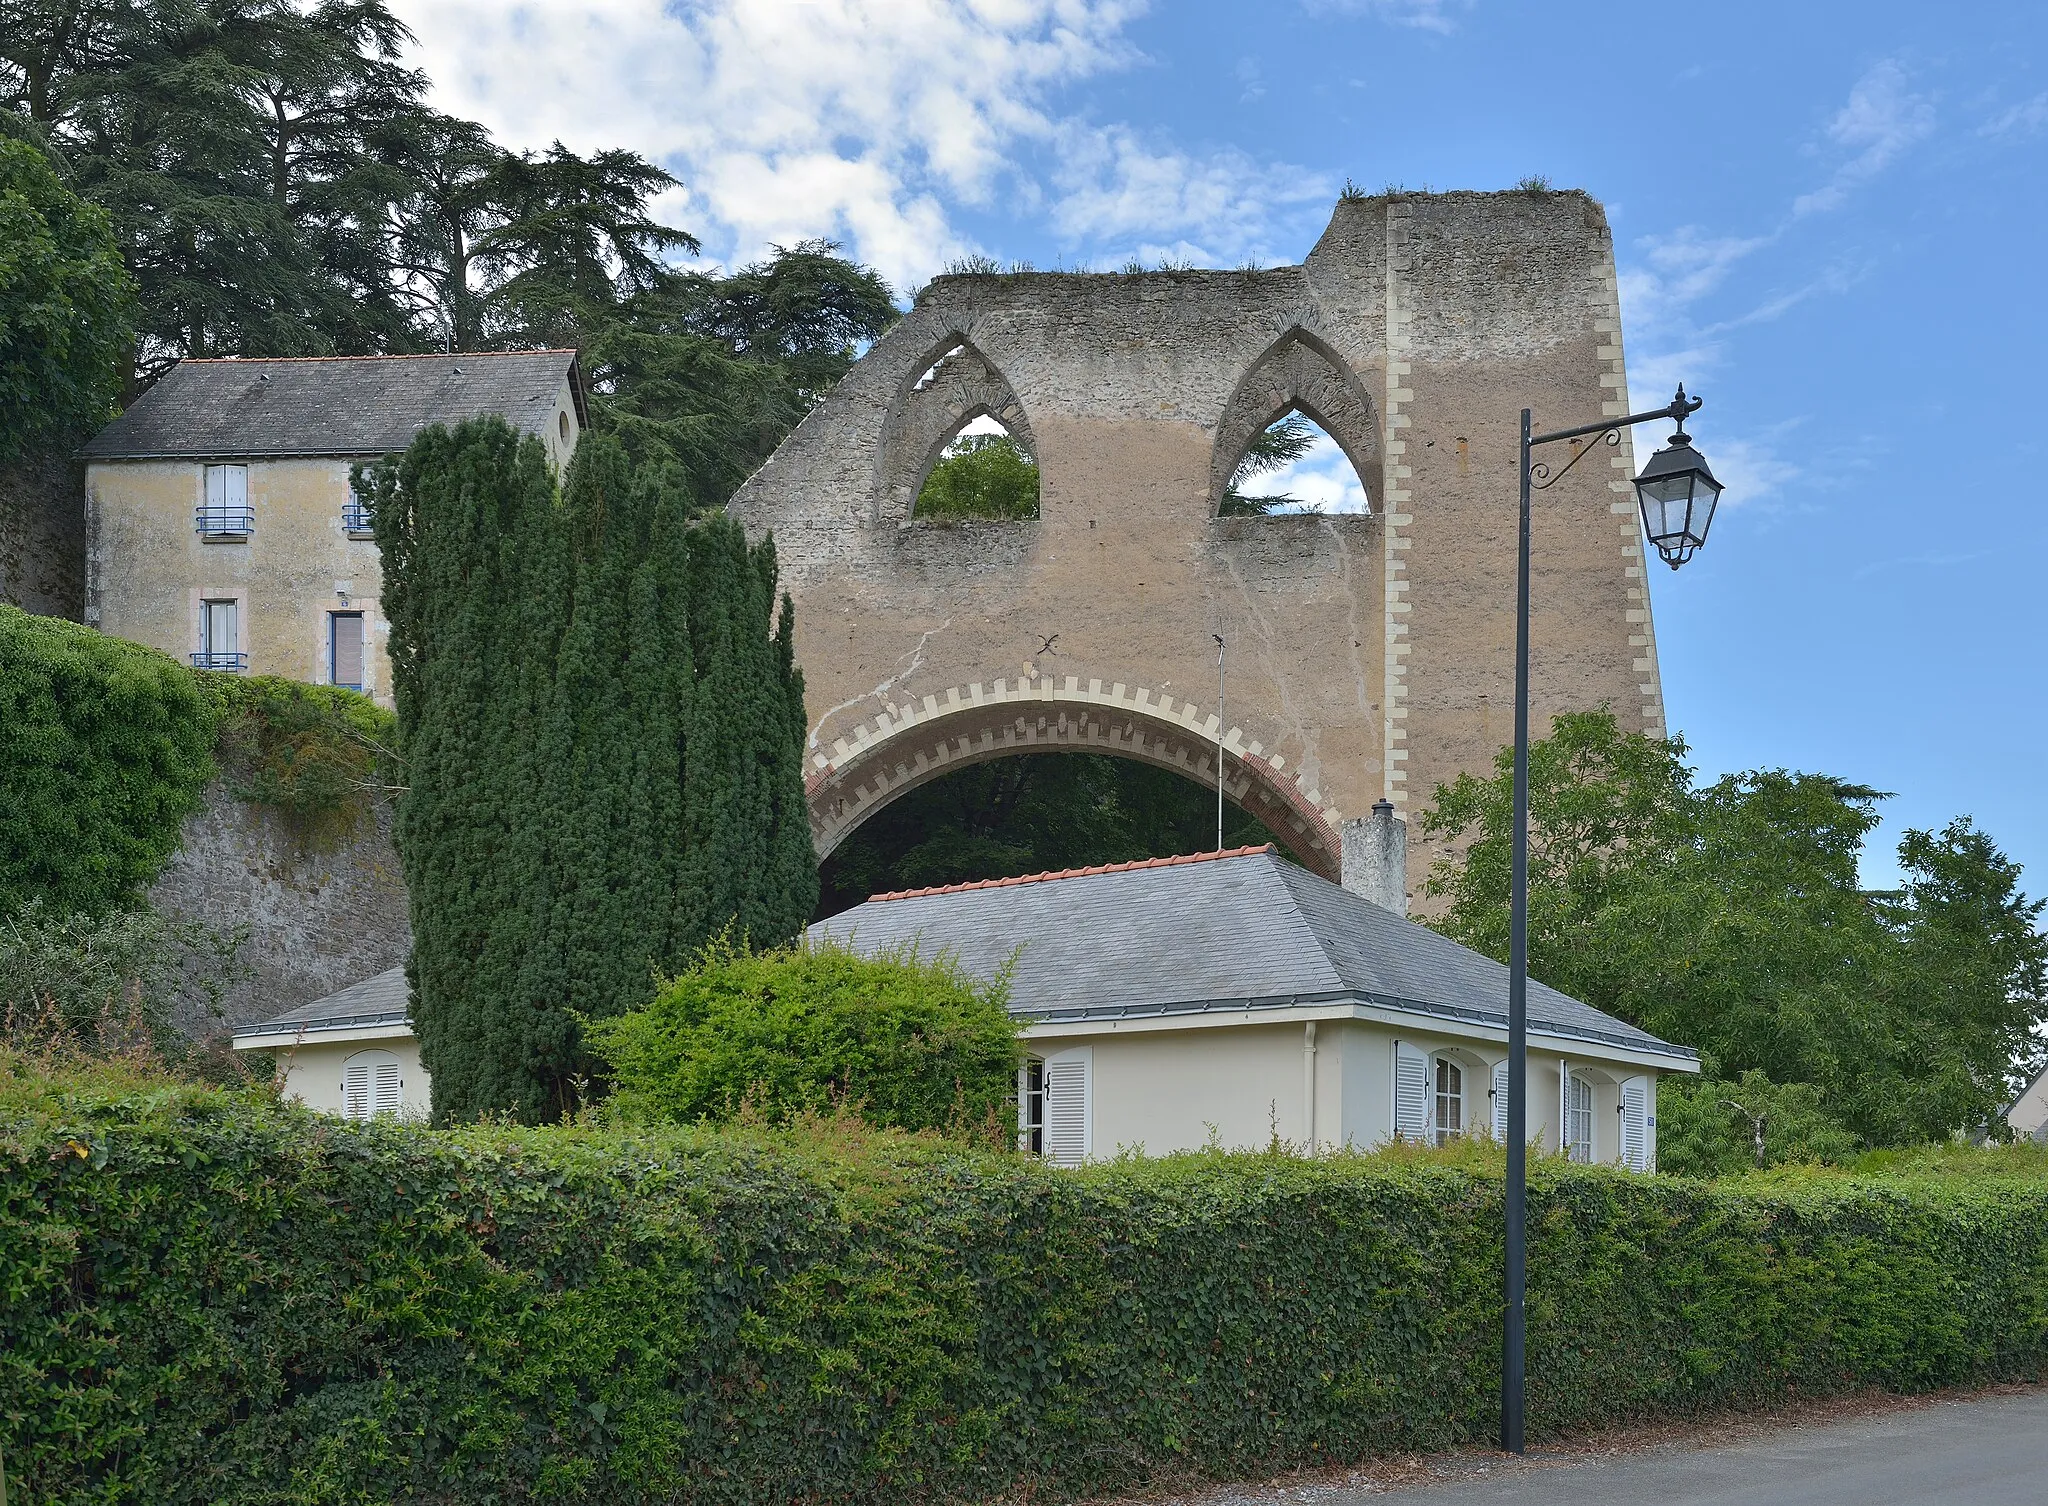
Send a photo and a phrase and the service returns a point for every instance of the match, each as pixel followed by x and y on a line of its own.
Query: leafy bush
pixel 912 1043
pixel 320 755
pixel 982 476
pixel 209 1298
pixel 104 749
pixel 1710 1128
pixel 111 984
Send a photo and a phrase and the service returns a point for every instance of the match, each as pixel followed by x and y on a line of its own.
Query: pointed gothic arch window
pixel 1300 434
pixel 957 444
pixel 1294 466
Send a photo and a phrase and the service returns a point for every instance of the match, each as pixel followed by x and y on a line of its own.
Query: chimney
pixel 1375 861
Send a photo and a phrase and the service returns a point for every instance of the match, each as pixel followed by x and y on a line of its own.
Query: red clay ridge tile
pixel 1067 873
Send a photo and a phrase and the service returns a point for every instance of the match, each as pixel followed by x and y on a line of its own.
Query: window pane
pixel 345 649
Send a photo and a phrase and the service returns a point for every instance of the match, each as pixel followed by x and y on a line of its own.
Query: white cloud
pixel 1110 185
pixel 874 122
pixel 861 119
pixel 1677 271
pixel 1424 15
pixel 1881 119
pixel 1322 480
pixel 2021 120
pixel 1750 470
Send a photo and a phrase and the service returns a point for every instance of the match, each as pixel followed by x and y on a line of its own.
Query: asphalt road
pixel 1984 1451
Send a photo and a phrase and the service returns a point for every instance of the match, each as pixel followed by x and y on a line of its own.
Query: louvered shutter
pixel 1635 1124
pixel 1066 1109
pixel 1411 1092
pixel 384 1089
pixel 1500 1102
pixel 355 1091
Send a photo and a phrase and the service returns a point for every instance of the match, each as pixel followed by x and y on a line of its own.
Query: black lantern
pixel 1677 493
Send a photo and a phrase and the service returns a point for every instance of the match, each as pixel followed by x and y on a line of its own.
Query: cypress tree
pixel 603 728
pixel 744 810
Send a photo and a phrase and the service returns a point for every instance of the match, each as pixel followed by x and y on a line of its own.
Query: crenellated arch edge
pixel 1299 372
pixel 914 742
pixel 951 386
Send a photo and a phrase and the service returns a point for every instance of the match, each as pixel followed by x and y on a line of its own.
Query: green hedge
pixel 105 747
pixel 208 1299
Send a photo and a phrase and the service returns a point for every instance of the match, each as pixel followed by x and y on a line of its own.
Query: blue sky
pixel 1829 220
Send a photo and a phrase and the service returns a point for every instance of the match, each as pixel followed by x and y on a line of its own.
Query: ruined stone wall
pixel 42 535
pixel 1369 656
pixel 318 918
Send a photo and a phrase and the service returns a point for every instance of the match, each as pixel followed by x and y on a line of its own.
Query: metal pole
pixel 1219 741
pixel 1512 1340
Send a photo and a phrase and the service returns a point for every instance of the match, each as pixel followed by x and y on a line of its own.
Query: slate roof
pixel 1232 931
pixel 381 1000
pixel 339 405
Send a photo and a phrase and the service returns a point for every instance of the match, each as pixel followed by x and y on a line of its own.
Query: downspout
pixel 1308 1082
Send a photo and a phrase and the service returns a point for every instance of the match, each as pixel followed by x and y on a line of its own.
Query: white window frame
pixel 1441 1133
pixel 1031 1106
pixel 1575 1112
pixel 208 653
pixel 362 620
pixel 224 510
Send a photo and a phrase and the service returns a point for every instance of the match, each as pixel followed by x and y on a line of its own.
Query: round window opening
pixel 562 423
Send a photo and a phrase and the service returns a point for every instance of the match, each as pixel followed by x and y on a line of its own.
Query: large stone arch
pixel 1299 372
pixel 914 742
pixel 949 388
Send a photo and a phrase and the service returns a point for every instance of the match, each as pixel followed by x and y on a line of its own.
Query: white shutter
pixel 1500 1102
pixel 1635 1124
pixel 1066 1108
pixel 216 488
pixel 384 1091
pixel 355 1091
pixel 1411 1092
pixel 235 486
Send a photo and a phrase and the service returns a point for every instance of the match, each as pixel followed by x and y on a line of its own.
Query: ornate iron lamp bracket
pixel 1540 478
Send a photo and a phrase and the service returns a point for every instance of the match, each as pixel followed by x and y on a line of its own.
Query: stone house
pixel 220 523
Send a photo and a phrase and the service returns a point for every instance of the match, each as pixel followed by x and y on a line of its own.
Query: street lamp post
pixel 1676 493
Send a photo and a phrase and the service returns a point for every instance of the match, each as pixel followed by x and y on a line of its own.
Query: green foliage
pixel 908 1042
pixel 980 476
pixel 120 983
pixel 1710 1128
pixel 1273 448
pixel 207 1298
pixel 1029 814
pixel 602 724
pixel 320 755
pixel 104 749
pixel 277 185
pixel 1728 918
pixel 65 305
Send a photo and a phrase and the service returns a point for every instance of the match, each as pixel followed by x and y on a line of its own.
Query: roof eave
pixel 1340 1004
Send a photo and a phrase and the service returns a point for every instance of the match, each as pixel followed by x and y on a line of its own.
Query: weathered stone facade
pixel 1369 656
pixel 318 918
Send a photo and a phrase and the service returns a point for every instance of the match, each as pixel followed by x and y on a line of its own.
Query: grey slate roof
pixel 344 405
pixel 381 1000
pixel 1239 931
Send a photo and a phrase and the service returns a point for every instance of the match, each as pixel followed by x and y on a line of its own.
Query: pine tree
pixel 603 728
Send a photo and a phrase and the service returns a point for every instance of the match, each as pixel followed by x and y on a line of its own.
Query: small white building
pixel 1230 998
pixel 352 1053
pixel 2028 1115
